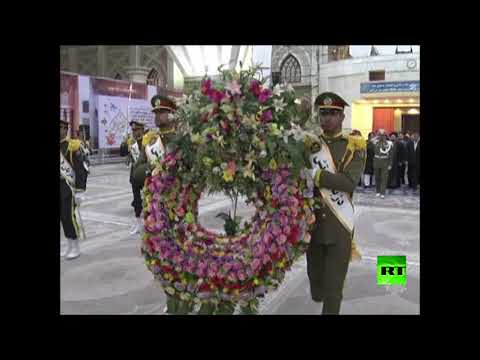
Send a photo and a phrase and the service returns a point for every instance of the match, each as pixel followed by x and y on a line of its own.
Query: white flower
pixel 290 88
pixel 263 154
pixel 298 136
pixel 298 101
pixel 278 105
pixel 277 90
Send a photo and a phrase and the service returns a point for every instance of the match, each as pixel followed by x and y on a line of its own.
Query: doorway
pixel 383 118
pixel 411 123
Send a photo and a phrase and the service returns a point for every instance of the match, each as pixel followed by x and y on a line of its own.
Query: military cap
pixel 160 102
pixel 140 122
pixel 330 100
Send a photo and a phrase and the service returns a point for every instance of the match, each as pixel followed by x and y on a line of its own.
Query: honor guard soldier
pixel 132 148
pixel 382 161
pixel 337 165
pixel 155 141
pixel 73 183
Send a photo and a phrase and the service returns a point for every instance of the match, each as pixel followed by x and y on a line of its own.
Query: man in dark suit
pixel 402 158
pixel 413 158
pixel 417 154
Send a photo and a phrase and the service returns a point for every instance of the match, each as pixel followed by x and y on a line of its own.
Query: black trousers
pixel 412 176
pixel 137 199
pixel 401 174
pixel 327 267
pixel 68 218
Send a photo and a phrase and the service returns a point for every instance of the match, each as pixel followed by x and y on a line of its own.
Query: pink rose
pixel 180 211
pixel 256 264
pixel 241 275
pixel 255 88
pixel 206 86
pixel 266 116
pixel 264 96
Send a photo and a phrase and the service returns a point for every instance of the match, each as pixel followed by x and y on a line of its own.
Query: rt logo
pixel 392 270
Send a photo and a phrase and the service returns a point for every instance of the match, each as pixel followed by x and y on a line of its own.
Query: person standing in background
pixel 382 162
pixel 368 173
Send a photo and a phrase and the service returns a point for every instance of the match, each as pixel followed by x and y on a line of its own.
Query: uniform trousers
pixel 327 267
pixel 68 217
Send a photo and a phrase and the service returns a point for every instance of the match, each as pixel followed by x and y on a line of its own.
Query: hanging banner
pixel 390 86
pixel 114 114
pixel 118 88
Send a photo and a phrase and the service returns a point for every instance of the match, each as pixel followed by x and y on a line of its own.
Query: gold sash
pixel 339 202
pixel 66 171
pixel 135 151
pixel 155 152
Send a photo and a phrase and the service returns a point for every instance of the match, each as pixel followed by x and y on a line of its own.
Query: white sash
pixel 135 151
pixel 339 202
pixel 66 171
pixel 155 152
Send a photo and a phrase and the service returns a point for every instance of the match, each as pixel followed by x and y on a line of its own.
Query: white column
pixel 135 71
pixel 134 55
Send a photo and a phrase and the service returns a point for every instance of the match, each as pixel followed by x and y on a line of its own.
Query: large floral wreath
pixel 236 136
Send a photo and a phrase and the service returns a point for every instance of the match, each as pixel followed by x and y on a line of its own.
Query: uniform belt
pixel 381 157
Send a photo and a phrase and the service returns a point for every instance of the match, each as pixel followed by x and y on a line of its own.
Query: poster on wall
pixel 139 110
pixel 114 115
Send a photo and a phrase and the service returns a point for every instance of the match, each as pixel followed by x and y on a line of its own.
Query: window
pixel 156 78
pixel 85 106
pixel 404 49
pixel 338 52
pixel 378 75
pixel 152 78
pixel 276 77
pixel 290 70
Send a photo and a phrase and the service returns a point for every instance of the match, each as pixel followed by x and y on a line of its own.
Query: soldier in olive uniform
pixel 382 162
pixel 330 249
pixel 132 148
pixel 73 183
pixel 156 141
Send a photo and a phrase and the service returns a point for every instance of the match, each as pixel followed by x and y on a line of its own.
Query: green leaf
pixel 225 308
pixel 172 304
pixel 206 309
pixel 271 145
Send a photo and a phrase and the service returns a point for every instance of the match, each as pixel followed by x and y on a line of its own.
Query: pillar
pixel 135 71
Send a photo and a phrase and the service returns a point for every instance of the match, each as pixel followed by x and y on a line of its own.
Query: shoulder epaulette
pixel 73 145
pixel 356 142
pixel 130 141
pixel 312 142
pixel 151 134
